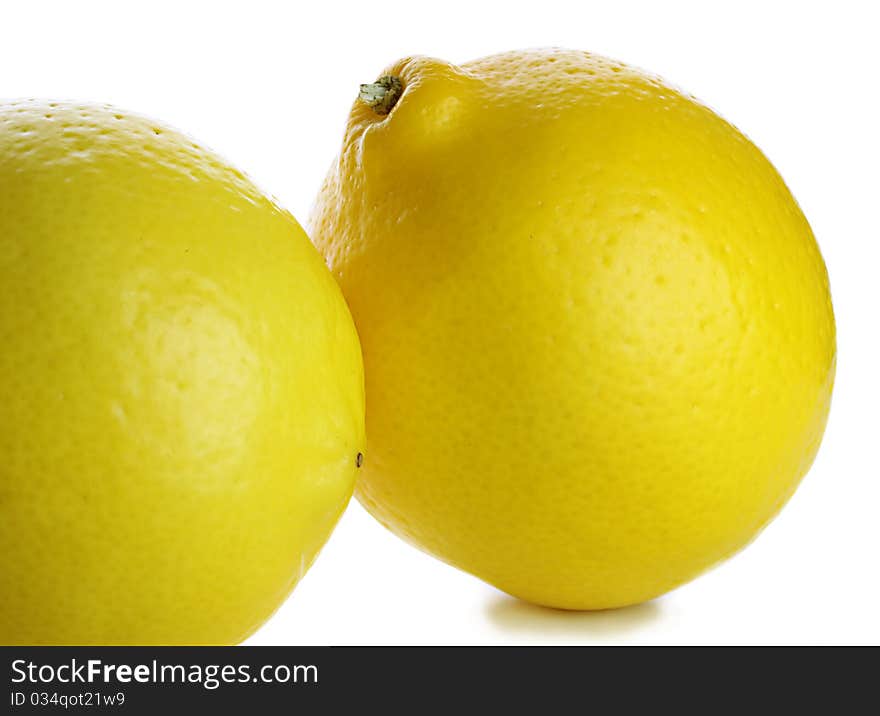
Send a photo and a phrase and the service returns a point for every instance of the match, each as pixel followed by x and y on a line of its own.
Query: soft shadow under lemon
pixel 514 615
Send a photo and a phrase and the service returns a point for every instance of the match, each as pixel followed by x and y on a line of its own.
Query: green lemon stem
pixel 382 95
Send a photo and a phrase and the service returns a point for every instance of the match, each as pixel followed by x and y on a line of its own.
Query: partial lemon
pixel 597 331
pixel 181 396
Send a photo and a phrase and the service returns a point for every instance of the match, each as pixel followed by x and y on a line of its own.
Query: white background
pixel 269 86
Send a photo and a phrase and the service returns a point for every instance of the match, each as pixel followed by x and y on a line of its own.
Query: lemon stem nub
pixel 382 95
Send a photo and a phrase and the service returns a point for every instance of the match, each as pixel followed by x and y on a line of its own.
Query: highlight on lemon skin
pixel 597 326
pixel 181 391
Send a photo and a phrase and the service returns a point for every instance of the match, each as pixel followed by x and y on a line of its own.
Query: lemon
pixel 597 333
pixel 181 390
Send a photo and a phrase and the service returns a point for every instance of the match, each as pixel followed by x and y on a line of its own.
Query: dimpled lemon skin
pixel 597 332
pixel 181 389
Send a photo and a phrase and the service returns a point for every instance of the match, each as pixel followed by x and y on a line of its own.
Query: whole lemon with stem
pixel 597 331
pixel 181 388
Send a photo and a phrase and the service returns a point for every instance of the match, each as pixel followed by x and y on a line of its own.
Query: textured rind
pixel 181 389
pixel 597 330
